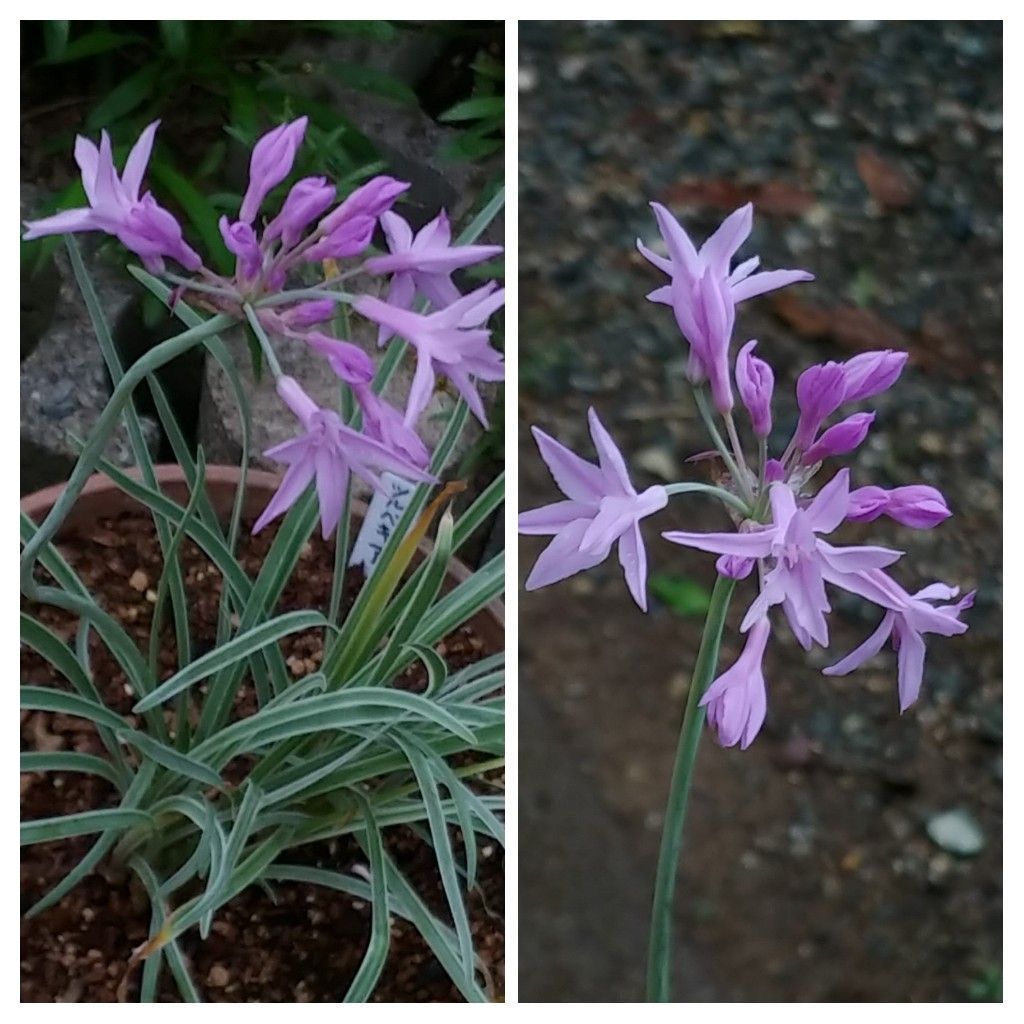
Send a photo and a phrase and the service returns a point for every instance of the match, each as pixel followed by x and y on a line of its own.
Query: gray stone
pixel 956 832
pixel 64 380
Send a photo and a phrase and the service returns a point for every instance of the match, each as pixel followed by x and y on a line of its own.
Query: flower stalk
pixel 659 956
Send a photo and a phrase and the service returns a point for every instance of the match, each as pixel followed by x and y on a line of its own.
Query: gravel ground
pixel 815 866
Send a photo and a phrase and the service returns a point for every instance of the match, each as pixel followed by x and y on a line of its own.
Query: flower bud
pixel 871 373
pixel 271 162
pixel 306 314
pixel 774 471
pixel 917 505
pixel 819 392
pixel 735 567
pixel 840 439
pixel 755 383
pixel 241 240
pixel 307 199
pixel 348 228
pixel 867 504
pixel 348 361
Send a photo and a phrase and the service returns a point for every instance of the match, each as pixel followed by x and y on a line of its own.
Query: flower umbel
pixel 779 522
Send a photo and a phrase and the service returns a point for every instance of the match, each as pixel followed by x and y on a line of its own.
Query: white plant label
pixel 386 509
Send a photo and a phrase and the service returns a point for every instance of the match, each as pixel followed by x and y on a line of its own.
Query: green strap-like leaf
pixel 231 653
pixel 376 954
pixel 82 824
pixel 67 761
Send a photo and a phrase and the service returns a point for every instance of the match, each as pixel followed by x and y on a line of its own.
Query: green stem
pixel 659 960
pixel 740 479
pixel 283 298
pixel 687 487
pixel 261 336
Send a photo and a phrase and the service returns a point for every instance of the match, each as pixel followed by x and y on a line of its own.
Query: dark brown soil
pixel 306 943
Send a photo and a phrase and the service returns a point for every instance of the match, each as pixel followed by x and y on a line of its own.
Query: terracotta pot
pixel 102 497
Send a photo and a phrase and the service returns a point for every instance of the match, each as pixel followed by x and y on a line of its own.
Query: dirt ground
pixel 872 152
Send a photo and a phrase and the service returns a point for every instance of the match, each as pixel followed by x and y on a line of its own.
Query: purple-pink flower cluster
pixel 450 339
pixel 782 529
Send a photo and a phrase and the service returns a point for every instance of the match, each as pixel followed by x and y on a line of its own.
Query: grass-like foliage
pixel 340 752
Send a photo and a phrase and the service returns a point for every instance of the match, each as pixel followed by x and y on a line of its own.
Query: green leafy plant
pixel 342 751
pixel 482 116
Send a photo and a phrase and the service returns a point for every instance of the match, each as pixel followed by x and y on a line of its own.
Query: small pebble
pixel 218 976
pixel 956 832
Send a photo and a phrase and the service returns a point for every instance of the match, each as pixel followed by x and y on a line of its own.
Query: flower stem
pixel 739 478
pixel 659 960
pixel 283 298
pixel 261 336
pixel 687 487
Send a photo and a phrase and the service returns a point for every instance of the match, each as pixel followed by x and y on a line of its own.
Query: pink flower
pixel 819 392
pixel 736 700
pixel 798 560
pixel 906 620
pixel 602 507
pixel 423 262
pixel 327 452
pixel 116 208
pixel 449 341
pixel 704 293
pixel 384 423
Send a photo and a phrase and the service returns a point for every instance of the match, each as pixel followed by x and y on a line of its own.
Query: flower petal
pixel 612 463
pixel 138 158
pixel 63 223
pixel 633 559
pixel 662 295
pixel 331 478
pixel 663 264
pixel 750 545
pixel 421 389
pixel 549 519
pixel 857 558
pixel 296 479
pixel 866 650
pixel 767 281
pixel 577 478
pixel 830 505
pixel 911 666
pixel 396 230
pixel 563 558
pixel 717 252
pixel 681 249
